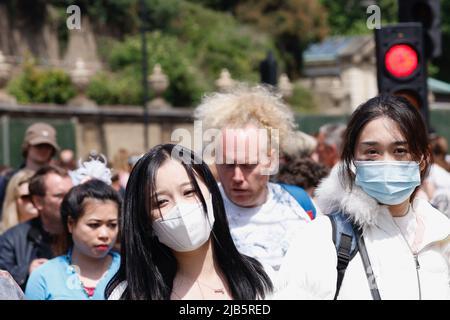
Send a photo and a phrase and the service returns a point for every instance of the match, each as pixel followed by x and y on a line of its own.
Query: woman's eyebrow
pixel 375 143
pixel 164 191
pixel 188 183
pixel 370 143
pixel 96 220
pixel 160 192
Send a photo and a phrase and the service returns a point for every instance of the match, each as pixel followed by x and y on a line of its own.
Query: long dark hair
pixel 404 114
pixel 73 203
pixel 148 266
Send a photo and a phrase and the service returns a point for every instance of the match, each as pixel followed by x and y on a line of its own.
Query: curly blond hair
pixel 243 105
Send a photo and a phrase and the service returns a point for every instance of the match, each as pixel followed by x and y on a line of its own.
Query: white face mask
pixel 185 227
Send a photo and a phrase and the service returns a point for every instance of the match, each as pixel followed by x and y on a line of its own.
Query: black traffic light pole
pixel 145 90
pixel 268 70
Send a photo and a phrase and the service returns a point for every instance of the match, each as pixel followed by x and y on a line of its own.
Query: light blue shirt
pixel 57 280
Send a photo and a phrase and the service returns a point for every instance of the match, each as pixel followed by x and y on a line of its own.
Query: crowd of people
pixel 357 211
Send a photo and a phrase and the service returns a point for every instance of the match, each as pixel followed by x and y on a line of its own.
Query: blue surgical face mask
pixel 389 182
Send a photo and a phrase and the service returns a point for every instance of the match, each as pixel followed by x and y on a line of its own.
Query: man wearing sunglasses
pixel 28 245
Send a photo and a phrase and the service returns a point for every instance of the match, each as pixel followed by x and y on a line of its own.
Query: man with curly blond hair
pixel 254 126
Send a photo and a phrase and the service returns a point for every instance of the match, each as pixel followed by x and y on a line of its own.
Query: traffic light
pixel 401 64
pixel 427 12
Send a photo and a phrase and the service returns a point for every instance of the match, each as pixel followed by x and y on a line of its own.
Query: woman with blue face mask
pixel 396 246
pixel 175 241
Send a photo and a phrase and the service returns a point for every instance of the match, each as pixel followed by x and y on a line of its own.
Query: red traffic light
pixel 401 60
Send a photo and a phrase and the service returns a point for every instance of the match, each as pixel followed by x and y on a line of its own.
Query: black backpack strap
pixel 348 240
pixel 345 242
pixel 367 266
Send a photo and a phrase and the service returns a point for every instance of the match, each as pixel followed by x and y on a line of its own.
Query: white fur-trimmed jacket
pixel 309 268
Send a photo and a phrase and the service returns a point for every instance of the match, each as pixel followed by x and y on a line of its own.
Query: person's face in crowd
pixel 328 155
pixel 240 171
pixel 382 140
pixel 67 159
pixel 172 186
pixel 48 206
pixel 95 232
pixel 25 207
pixel 40 154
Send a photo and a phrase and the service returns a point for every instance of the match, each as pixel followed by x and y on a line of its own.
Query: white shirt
pixel 439 177
pixel 408 226
pixel 265 232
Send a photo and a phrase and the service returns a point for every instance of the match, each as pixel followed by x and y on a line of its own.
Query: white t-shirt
pixel 265 232
pixel 408 226
pixel 439 177
pixel 440 180
pixel 412 228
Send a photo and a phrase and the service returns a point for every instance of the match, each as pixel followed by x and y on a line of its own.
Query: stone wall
pixel 108 129
pixel 22 36
pixel 105 129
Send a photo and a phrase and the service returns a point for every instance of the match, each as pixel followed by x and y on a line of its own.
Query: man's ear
pixel 38 202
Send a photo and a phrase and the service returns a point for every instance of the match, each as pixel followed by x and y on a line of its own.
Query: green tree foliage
pixel 222 5
pixel 190 54
pixel 302 100
pixel 119 16
pixel 293 23
pixel 173 57
pixel 115 89
pixel 224 43
pixel 192 44
pixel 349 17
pixel 41 86
pixel 443 62
pixel 158 14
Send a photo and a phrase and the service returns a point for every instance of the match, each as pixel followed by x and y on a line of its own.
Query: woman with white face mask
pixel 175 242
pixel 400 248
